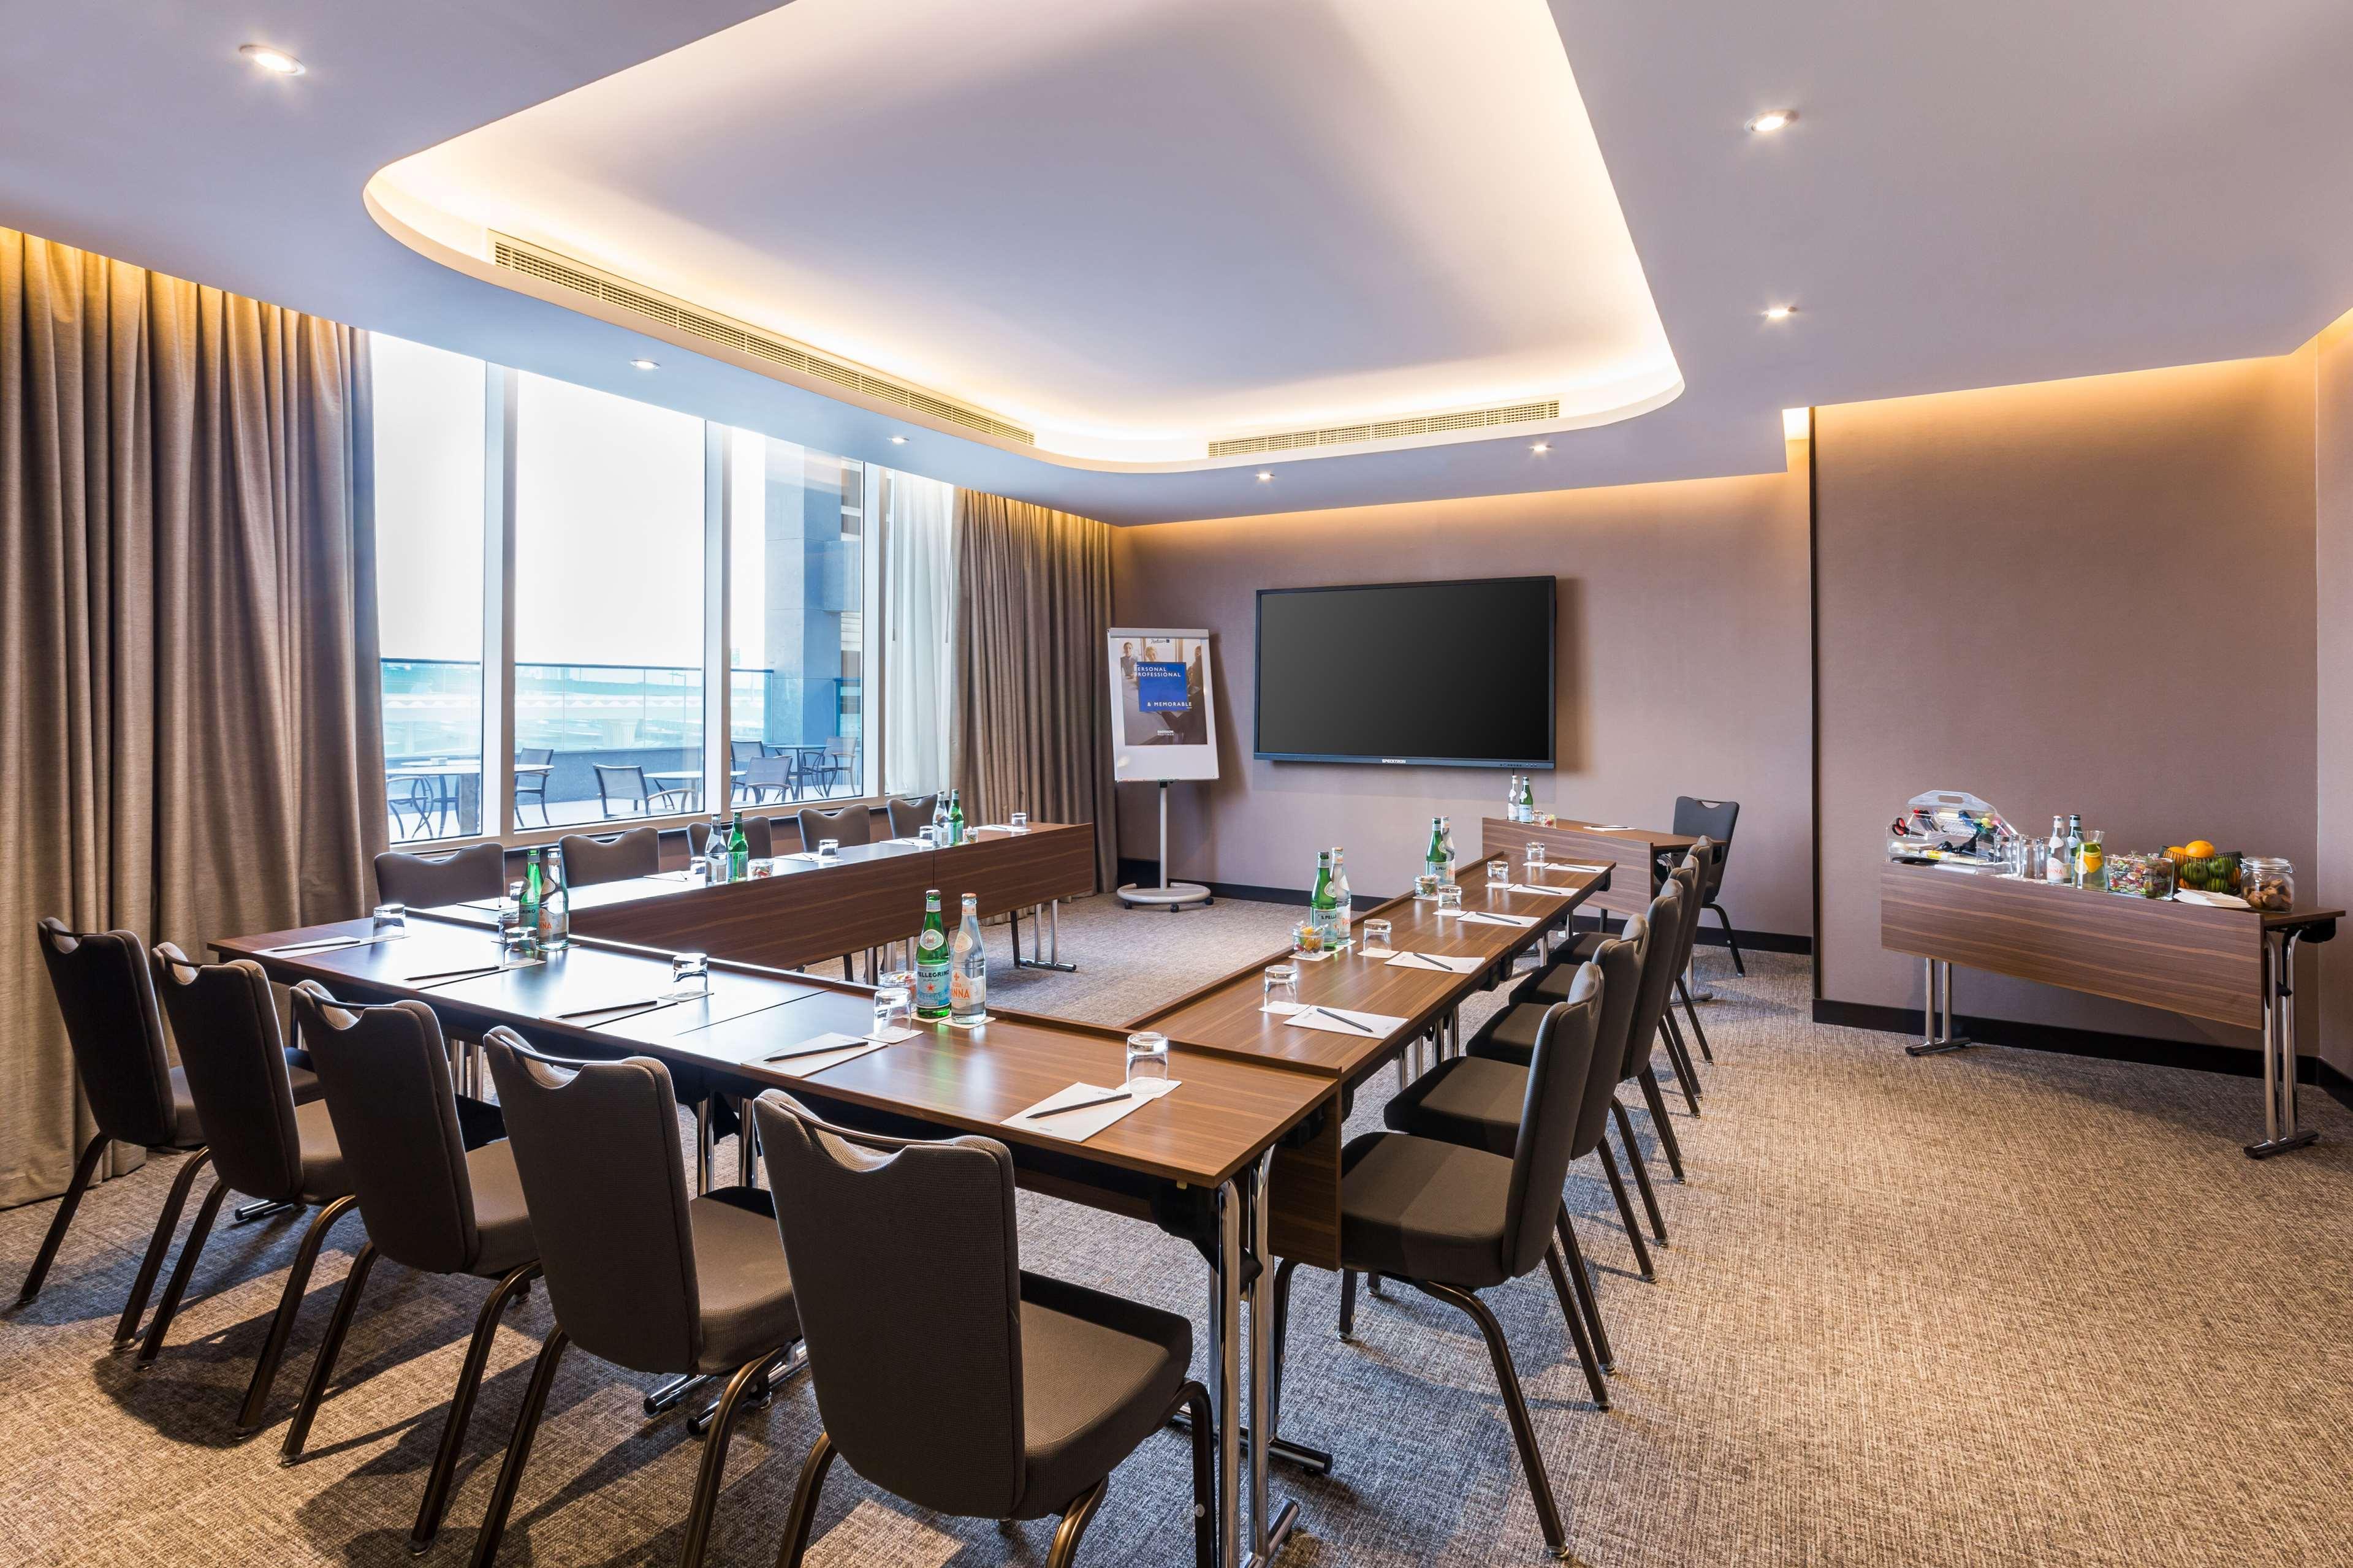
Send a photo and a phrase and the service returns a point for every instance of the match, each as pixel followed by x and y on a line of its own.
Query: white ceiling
pixel 1135 227
pixel 2005 192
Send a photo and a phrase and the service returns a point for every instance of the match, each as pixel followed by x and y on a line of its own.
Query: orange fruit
pixel 2199 849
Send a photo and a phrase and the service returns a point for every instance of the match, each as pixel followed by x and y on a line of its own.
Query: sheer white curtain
pixel 918 608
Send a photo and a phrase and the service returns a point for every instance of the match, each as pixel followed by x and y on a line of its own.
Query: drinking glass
pixel 1426 885
pixel 1536 855
pixel 828 849
pixel 1019 823
pixel 690 973
pixel 391 917
pixel 513 937
pixel 1376 933
pixel 2027 856
pixel 1450 896
pixel 929 834
pixel 1499 873
pixel 894 1000
pixel 1283 984
pixel 763 868
pixel 1147 1056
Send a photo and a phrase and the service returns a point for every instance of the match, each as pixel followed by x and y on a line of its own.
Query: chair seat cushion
pixel 1511 1035
pixel 501 1220
pixel 1423 1210
pixel 1472 1102
pixel 324 1176
pixel 1552 982
pixel 299 1078
pixel 1098 1375
pixel 739 1267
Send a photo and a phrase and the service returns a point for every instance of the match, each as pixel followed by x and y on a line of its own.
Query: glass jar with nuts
pixel 2268 883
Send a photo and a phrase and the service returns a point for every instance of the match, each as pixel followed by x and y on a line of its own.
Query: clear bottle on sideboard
pixel 2055 860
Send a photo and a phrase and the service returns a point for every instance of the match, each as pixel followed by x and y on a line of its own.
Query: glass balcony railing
pixel 603 743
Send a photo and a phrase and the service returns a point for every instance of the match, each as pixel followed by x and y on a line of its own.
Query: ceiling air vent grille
pixel 515 256
pixel 1387 429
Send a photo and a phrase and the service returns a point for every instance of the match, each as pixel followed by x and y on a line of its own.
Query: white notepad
pixel 1335 1020
pixel 1078 1126
pixel 822 1051
pixel 1489 918
pixel 1437 962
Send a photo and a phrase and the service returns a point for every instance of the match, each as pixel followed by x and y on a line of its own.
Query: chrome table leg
pixel 1939 998
pixel 2280 1131
pixel 1225 1360
pixel 1268 1534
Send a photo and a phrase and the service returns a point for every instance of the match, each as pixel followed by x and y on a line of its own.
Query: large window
pixel 609 605
pixel 429 434
pixel 596 610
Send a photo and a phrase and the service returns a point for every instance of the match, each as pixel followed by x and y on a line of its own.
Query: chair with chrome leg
pixel 1453 1221
pixel 640 1273
pixel 428 1202
pixel 946 1374
pixel 224 1017
pixel 106 996
pixel 589 859
pixel 1477 1100
pixel 1510 1035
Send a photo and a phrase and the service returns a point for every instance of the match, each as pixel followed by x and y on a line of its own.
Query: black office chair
pixel 1713 820
pixel 624 784
pixel 911 815
pixel 758 835
pixel 844 824
pixel 428 882
pixel 263 1144
pixel 531 787
pixel 429 1204
pixel 1476 1101
pixel 615 857
pixel 1453 1221
pixel 639 1273
pixel 946 1374
pixel 107 996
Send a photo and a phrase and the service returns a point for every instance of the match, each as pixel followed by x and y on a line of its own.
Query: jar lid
pixel 2264 863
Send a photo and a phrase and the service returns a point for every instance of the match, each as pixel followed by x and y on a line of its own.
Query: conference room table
pixel 1632 852
pixel 1193 1161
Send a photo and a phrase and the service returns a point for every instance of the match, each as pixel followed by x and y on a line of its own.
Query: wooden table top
pixel 1226 1114
pixel 1499 831
pixel 1227 1015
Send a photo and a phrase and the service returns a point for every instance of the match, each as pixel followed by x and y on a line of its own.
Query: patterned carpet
pixel 2001 1307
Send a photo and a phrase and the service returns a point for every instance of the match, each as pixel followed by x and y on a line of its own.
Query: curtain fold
pixel 191 741
pixel 918 641
pixel 1032 714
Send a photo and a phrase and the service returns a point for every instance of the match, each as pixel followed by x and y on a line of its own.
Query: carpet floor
pixel 1998 1308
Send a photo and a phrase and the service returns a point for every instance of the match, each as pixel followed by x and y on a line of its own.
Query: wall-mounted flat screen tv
pixel 1459 674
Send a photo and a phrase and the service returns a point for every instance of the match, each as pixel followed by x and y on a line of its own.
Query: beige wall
pixel 2333 560
pixel 1683 672
pixel 2089 596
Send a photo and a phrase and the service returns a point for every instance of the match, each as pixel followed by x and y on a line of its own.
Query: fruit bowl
pixel 2202 868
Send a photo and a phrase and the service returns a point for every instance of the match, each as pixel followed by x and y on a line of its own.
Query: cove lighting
pixel 277 62
pixel 1796 424
pixel 1772 120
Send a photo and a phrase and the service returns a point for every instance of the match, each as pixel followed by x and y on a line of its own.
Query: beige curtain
pixel 190 742
pixel 1032 709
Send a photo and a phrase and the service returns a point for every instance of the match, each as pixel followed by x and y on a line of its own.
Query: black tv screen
pixel 1452 673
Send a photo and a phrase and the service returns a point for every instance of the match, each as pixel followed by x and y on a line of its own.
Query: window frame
pixel 499 819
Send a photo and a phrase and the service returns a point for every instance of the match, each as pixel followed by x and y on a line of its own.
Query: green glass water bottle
pixel 932 962
pixel 1322 905
pixel 739 851
pixel 533 891
pixel 956 816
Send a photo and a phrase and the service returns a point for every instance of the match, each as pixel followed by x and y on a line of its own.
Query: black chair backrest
pixel 384 1074
pixel 844 824
pixel 1659 968
pixel 426 881
pixel 225 1021
pixel 915 1348
pixel 597 1146
pixel 1557 1071
pixel 911 815
pixel 1690 875
pixel 107 1000
pixel 616 858
pixel 1619 958
pixel 1714 819
pixel 757 834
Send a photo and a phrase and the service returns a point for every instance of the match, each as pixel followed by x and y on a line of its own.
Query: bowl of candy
pixel 2140 876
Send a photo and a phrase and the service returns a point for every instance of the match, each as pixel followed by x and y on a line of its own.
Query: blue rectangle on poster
pixel 1160 686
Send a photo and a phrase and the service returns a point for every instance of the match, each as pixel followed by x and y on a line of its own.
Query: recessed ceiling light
pixel 1264 476
pixel 645 364
pixel 1541 447
pixel 1779 313
pixel 278 62
pixel 898 440
pixel 1772 120
pixel 1796 424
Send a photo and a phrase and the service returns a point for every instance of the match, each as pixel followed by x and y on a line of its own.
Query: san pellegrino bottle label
pixel 968 973
pixel 932 962
pixel 1433 860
